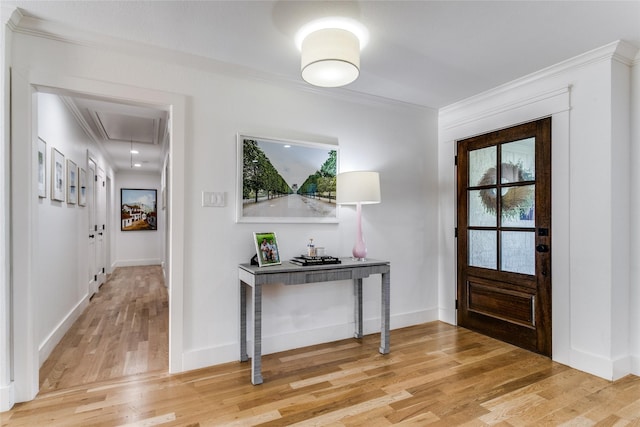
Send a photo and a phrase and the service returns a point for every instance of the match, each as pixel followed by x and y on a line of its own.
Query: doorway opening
pixel 28 352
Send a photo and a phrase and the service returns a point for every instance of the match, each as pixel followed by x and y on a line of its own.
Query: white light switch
pixel 213 198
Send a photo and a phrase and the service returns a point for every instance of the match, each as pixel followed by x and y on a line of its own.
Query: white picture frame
pixel 72 182
pixel 285 181
pixel 58 178
pixel 42 168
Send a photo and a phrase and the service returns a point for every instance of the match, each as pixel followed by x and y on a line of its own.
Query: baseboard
pixel 609 369
pixel 447 315
pixel 200 358
pixel 58 332
pixel 7 397
pixel 136 262
pixel 635 365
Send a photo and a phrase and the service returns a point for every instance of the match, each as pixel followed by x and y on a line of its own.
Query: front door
pixel 504 235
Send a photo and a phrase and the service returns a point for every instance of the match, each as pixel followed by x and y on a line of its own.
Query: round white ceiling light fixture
pixel 330 51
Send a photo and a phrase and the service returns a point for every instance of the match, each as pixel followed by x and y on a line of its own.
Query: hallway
pixel 123 331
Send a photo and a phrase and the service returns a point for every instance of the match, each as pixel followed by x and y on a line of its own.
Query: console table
pixel 252 276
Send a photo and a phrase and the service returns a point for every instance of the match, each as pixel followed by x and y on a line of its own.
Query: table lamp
pixel 358 188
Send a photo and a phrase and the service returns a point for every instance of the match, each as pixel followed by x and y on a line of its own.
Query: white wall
pixel 61 252
pixel 588 100
pixel 634 300
pixel 7 395
pixel 138 247
pixel 396 140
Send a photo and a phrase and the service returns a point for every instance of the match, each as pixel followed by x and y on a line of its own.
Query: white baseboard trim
pixel 49 343
pixel 609 369
pixel 7 397
pixel 201 358
pixel 447 315
pixel 635 365
pixel 136 262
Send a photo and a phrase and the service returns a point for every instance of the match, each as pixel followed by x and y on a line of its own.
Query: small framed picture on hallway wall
pixel 58 181
pixel 72 182
pixel 42 168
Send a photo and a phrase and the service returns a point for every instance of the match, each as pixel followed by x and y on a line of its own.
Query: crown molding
pixel 40 28
pixel 619 50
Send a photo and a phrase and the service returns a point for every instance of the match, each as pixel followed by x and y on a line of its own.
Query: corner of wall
pixel 7 397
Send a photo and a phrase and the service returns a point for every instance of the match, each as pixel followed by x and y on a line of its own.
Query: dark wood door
pixel 504 235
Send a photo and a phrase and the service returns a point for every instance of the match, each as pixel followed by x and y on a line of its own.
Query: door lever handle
pixel 91 236
pixel 542 248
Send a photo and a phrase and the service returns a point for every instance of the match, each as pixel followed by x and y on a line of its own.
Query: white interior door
pixel 101 226
pixel 93 228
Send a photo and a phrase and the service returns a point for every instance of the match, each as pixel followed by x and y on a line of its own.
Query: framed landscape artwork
pixel 138 209
pixel 267 248
pixel 72 182
pixel 42 168
pixel 286 181
pixel 58 180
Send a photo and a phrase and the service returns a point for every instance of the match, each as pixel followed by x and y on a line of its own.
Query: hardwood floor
pixel 124 331
pixel 436 375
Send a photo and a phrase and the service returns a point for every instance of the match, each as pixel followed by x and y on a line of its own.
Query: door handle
pixel 542 248
pixel 91 236
pixel 100 233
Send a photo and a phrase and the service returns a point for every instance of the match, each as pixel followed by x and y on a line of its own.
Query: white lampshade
pixel 330 57
pixel 358 187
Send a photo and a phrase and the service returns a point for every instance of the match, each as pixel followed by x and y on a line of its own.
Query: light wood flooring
pixel 124 331
pixel 435 375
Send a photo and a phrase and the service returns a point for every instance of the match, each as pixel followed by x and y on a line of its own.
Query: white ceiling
pixel 429 53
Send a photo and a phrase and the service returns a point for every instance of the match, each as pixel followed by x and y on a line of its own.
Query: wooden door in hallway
pixel 504 235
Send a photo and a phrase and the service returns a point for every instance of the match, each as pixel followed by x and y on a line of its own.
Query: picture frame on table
pixel 72 182
pixel 42 168
pixel 267 248
pixel 58 178
pixel 285 181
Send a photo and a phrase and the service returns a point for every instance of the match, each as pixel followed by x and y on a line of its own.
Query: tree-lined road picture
pixel 288 180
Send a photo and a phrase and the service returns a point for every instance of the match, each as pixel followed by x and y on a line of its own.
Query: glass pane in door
pixel 518 206
pixel 481 163
pixel 517 250
pixel 483 248
pixel 518 160
pixel 479 214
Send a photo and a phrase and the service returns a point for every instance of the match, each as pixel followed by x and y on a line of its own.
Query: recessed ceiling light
pixel 138 165
pixel 134 151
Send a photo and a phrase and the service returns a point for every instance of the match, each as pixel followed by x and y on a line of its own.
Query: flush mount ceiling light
pixel 330 51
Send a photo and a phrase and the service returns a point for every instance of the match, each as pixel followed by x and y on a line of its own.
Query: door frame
pixel 24 88
pixel 482 115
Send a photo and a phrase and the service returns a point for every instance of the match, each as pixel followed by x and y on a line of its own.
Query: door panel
pixel 91 205
pixel 101 220
pixel 504 235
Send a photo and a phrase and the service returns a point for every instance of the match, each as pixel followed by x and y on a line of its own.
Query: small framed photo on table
pixel 267 248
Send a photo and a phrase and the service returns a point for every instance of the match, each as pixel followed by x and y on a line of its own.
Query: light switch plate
pixel 213 198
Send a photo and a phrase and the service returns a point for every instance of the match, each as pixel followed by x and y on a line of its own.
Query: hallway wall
pixel 61 250
pixel 138 247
